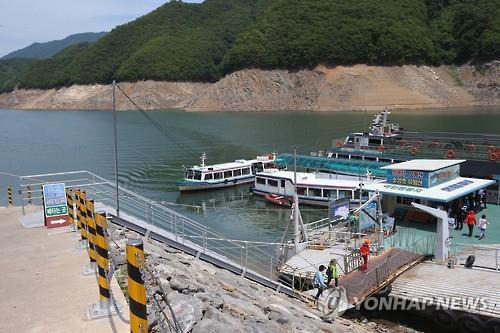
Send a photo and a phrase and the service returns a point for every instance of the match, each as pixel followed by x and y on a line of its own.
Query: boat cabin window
pixel 189 174
pixel 209 176
pixel 228 174
pixel 377 142
pixel 301 190
pixel 261 180
pixel 197 175
pixel 283 183
pixel 272 182
pixel 350 139
pixel 329 193
pixel 237 172
pixel 315 192
pixel 246 171
pixel 344 193
pixel 218 175
pixel 257 167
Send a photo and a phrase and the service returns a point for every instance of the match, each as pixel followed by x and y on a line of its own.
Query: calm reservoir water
pixel 40 141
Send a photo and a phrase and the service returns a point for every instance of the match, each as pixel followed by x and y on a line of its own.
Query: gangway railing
pixel 257 257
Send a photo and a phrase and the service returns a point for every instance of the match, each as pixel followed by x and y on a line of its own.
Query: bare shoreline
pixel 354 88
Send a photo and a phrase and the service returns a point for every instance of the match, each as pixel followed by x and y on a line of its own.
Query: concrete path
pixel 42 287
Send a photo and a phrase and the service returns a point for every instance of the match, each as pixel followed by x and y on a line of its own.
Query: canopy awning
pixel 444 192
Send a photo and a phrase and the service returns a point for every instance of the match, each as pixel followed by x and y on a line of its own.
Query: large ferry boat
pixel 316 189
pixel 203 177
pixel 389 143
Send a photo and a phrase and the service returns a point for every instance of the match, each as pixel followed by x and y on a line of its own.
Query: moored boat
pixel 277 200
pixel 204 177
pixel 315 189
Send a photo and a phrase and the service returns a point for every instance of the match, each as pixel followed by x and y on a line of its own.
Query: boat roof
pixel 445 192
pixel 231 165
pixel 333 164
pixel 313 179
pixel 422 165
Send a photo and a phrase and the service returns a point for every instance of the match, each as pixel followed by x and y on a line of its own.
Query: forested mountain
pixel 202 42
pixel 48 49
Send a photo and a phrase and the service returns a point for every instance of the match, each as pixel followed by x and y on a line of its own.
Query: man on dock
pixel 365 251
pixel 471 221
pixel 332 273
pixel 319 281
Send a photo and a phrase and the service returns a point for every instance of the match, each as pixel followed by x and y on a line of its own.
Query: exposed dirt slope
pixel 322 89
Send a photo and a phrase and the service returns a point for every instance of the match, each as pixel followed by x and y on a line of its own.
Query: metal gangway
pixel 253 260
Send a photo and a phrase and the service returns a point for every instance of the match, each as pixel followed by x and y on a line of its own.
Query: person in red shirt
pixel 471 221
pixel 365 251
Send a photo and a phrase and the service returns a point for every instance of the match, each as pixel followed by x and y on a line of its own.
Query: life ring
pixel 446 320
pixel 493 156
pixel 470 147
pixel 339 144
pixel 450 153
pixel 381 148
pixel 414 151
pixel 403 142
pixel 491 149
pixel 468 323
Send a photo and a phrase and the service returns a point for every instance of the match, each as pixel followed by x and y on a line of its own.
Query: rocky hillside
pixel 321 89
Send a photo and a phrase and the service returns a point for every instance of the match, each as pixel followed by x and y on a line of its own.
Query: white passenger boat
pixel 316 189
pixel 205 177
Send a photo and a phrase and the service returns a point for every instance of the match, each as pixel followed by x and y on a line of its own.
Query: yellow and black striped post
pixel 71 212
pixel 91 233
pixel 101 246
pixel 9 196
pixel 104 307
pixel 29 194
pixel 136 289
pixel 83 218
pixel 78 211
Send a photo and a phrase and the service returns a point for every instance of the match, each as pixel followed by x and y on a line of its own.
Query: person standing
pixel 332 273
pixel 482 226
pixel 462 215
pixel 365 252
pixel 471 221
pixel 477 202
pixel 483 198
pixel 319 281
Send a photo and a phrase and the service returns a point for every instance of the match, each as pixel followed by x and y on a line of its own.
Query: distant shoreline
pixel 354 88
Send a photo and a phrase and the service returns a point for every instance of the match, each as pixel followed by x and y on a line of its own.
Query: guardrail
pixel 250 256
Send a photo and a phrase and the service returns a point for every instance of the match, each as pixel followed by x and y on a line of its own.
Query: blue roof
pixel 341 165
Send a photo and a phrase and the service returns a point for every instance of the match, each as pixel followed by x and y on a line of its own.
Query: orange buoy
pixel 381 148
pixel 493 156
pixel 414 151
pixel 450 153
pixel 339 144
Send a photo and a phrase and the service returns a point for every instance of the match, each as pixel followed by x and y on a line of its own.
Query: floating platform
pixel 435 284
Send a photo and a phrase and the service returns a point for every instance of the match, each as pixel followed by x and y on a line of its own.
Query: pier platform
pixel 43 289
pixel 434 283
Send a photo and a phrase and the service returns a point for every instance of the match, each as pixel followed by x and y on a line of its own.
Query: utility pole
pixel 116 150
pixel 296 232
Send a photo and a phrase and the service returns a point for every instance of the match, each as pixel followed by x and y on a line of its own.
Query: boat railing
pixel 258 257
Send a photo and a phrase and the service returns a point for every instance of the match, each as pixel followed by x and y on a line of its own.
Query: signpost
pixel 54 205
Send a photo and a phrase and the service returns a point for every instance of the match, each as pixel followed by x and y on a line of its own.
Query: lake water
pixel 33 142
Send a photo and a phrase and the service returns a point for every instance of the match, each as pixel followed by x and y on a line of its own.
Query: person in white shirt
pixel 482 226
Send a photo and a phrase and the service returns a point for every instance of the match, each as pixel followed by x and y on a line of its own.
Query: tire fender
pixel 446 320
pixel 492 326
pixel 469 323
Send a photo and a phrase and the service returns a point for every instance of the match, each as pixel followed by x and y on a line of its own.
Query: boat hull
pixel 187 186
pixel 302 200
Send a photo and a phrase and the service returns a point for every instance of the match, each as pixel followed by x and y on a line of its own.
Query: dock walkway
pixel 43 289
